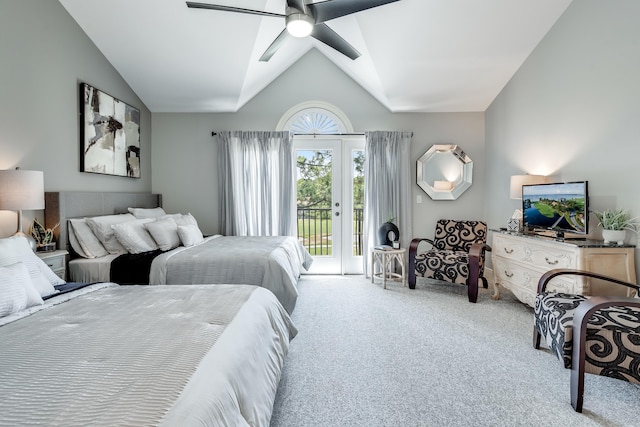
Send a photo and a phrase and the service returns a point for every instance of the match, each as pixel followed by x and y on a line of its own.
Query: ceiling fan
pixel 307 19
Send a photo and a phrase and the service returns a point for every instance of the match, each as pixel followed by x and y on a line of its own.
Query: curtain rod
pixel 214 133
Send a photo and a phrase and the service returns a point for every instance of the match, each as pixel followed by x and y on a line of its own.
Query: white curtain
pixel 257 183
pixel 387 187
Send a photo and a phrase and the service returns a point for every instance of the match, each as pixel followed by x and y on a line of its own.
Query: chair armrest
pixel 546 277
pixel 413 247
pixel 581 317
pixel 478 249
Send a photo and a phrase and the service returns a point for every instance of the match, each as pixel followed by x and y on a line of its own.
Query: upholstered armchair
pixel 598 335
pixel 455 255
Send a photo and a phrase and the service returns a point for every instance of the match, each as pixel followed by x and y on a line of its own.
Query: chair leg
pixel 412 278
pixel 472 289
pixel 577 382
pixel 485 283
pixel 536 338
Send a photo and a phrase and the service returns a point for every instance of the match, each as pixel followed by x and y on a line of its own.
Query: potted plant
pixel 615 223
pixel 43 236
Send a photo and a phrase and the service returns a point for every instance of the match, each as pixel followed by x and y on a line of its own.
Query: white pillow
pixel 165 232
pixel 186 219
pixel 101 227
pixel 13 278
pixel 190 235
pixel 142 213
pixel 83 241
pixel 16 249
pixel 134 236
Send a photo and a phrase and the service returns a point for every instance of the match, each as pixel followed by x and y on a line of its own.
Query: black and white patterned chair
pixel 456 255
pixel 598 335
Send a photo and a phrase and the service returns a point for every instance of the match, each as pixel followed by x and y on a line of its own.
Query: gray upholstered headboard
pixel 63 205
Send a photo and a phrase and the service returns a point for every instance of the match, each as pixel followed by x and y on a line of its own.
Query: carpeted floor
pixel 365 356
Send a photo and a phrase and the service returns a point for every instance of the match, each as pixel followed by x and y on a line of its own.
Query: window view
pixel 314 200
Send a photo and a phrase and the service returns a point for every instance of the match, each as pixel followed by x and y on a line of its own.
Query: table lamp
pixel 21 190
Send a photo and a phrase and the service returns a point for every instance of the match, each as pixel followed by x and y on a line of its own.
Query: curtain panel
pixel 256 175
pixel 387 187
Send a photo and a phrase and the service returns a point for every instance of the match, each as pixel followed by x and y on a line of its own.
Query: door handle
pixel 337 204
pixel 337 213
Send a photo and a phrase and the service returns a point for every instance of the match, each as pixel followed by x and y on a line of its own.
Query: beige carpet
pixel 426 357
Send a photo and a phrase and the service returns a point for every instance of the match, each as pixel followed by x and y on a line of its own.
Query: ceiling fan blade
pixel 194 5
pixel 296 4
pixel 329 37
pixel 275 45
pixel 331 9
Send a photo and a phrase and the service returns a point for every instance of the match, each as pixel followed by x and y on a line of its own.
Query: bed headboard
pixel 63 205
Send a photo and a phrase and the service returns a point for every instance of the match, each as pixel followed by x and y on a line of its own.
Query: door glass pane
pixel 314 200
pixel 357 167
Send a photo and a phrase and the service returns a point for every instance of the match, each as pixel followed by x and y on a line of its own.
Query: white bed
pixel 274 263
pixel 145 355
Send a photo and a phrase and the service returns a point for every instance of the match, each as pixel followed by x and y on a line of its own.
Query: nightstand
pixel 57 261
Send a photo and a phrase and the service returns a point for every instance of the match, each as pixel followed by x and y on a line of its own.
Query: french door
pixel 330 201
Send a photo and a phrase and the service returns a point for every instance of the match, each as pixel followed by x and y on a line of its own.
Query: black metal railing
pixel 315 231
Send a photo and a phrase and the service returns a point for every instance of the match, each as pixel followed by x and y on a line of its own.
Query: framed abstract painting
pixel 110 134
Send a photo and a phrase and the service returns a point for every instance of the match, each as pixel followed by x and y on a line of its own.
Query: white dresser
pixel 519 260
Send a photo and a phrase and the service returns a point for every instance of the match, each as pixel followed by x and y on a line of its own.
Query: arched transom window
pixel 315 118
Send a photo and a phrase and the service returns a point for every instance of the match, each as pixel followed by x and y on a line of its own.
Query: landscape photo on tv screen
pixel 556 206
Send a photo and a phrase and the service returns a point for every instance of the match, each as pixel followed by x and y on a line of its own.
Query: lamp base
pixel 31 240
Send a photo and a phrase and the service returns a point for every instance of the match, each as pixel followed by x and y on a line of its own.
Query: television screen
pixel 557 206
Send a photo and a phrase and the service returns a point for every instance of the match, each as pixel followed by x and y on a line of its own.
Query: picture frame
pixel 110 134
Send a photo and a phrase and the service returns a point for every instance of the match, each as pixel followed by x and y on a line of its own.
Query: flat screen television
pixel 560 207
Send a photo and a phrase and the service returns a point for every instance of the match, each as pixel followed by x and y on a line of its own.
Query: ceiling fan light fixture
pixel 299 24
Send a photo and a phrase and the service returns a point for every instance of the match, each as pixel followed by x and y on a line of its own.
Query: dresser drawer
pixel 527 251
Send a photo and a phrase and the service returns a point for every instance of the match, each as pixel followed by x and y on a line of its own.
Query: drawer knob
pixel 506 273
pixel 554 262
pixel 509 251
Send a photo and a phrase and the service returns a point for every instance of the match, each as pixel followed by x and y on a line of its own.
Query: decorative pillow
pixel 190 235
pixel 165 232
pixel 13 278
pixel 16 249
pixel 134 236
pixel 83 241
pixel 186 219
pixel 101 227
pixel 142 213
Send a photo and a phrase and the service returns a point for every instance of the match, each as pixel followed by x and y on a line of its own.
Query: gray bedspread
pixel 274 263
pixel 140 355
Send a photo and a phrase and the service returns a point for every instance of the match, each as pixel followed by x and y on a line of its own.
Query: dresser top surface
pixel 577 242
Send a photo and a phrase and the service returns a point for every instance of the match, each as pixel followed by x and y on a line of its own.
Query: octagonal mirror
pixel 444 172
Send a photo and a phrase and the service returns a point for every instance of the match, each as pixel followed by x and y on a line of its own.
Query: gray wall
pixel 45 55
pixel 185 156
pixel 572 111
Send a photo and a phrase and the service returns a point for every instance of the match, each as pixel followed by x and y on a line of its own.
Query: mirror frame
pixel 460 185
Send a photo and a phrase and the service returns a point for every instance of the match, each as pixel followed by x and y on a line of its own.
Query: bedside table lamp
pixel 22 190
pixel 515 192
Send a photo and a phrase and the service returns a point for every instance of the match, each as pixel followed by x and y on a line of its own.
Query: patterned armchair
pixel 597 335
pixel 456 255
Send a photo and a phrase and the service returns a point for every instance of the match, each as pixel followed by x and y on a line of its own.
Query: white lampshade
pixel 299 24
pixel 517 181
pixel 21 190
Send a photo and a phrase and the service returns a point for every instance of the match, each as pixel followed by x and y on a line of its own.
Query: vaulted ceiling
pixel 417 55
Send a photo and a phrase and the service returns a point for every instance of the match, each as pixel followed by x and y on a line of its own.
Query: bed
pixel 274 263
pixel 107 354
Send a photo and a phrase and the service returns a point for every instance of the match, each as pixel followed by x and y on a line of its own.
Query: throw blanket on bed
pixel 132 269
pixel 274 263
pixel 132 355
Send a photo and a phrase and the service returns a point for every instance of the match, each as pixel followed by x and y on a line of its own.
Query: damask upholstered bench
pixel 596 335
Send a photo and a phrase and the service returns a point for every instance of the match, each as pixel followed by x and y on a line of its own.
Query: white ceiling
pixel 417 55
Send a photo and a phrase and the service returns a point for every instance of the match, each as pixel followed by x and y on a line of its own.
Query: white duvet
pixel 274 263
pixel 140 355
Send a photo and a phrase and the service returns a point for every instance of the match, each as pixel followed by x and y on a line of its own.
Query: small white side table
pixel 385 258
